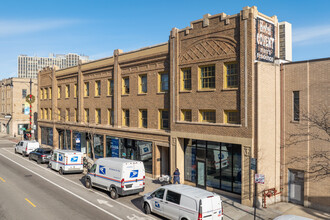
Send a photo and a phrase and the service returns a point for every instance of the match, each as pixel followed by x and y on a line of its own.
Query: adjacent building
pixel 305 133
pixel 14 108
pixel 28 67
pixel 206 102
pixel 285 36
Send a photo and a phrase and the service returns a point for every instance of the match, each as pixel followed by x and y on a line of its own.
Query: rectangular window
pixel 24 93
pixel 45 93
pixel 59 92
pixel 207 77
pixel 186 79
pixel 67 114
pixel 164 119
pixel 86 89
pixel 207 116
pixel 231 75
pixel 59 114
pixel 231 117
pixel 143 118
pixel 86 115
pixel 110 87
pixel 110 117
pixel 126 117
pixel 186 115
pixel 163 82
pixel 41 94
pixel 50 92
pixel 296 112
pixel 42 113
pixel 98 116
pixel 143 84
pixel 97 88
pixel 23 108
pixel 75 91
pixel 50 114
pixel 46 113
pixel 125 85
pixel 67 91
pixel 173 197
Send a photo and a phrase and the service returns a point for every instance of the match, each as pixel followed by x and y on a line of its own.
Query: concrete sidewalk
pixel 10 138
pixel 234 210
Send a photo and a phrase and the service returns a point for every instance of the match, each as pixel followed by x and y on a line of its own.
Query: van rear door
pixel 134 175
pixel 211 208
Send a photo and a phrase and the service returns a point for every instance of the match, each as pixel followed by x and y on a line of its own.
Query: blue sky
pixel 97 27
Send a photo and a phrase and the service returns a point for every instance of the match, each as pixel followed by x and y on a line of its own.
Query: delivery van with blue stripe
pixel 119 176
pixel 66 161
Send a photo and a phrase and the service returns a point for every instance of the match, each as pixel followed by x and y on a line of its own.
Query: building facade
pixel 28 67
pixel 285 36
pixel 305 132
pixel 14 109
pixel 203 102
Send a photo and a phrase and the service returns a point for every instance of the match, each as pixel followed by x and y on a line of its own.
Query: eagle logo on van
pixel 60 157
pixel 74 159
pixel 134 174
pixel 102 170
pixel 157 205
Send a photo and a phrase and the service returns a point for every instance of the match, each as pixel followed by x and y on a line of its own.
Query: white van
pixel 119 176
pixel 183 202
pixel 25 147
pixel 66 161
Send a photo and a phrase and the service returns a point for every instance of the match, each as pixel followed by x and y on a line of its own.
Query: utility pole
pixel 30 108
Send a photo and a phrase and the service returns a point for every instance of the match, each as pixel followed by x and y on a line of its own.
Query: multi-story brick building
pixel 14 109
pixel 199 102
pixel 305 133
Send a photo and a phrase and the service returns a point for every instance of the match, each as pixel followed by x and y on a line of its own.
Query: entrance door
pixel 296 187
pixel 201 174
pixel 164 164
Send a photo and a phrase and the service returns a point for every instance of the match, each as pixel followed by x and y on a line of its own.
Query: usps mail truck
pixel 119 176
pixel 67 161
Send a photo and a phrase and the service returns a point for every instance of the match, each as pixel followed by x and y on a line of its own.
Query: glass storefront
pixel 47 136
pixel 64 139
pixel 213 164
pixel 98 146
pixel 130 149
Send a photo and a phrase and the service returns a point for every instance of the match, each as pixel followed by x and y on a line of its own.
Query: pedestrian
pixel 176 175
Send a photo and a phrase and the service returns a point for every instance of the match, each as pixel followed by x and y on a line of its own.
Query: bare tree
pixel 313 126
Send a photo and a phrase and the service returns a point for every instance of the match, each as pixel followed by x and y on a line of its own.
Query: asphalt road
pixel 32 191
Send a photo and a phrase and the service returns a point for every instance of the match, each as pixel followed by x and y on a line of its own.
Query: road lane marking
pixel 68 191
pixel 30 202
pixel 96 192
pixel 2 180
pixel 104 202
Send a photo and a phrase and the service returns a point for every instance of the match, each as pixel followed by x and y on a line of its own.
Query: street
pixel 32 191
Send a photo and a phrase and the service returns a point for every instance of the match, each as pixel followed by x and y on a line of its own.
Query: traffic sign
pixel 259 178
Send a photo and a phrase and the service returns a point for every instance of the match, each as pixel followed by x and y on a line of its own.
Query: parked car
pixel 183 202
pixel 66 161
pixel 25 147
pixel 119 176
pixel 41 155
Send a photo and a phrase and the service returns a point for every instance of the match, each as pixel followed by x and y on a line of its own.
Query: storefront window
pixel 98 146
pixel 226 169
pixel 67 142
pixel 144 153
pixel 213 159
pixel 47 136
pixel 190 161
pixel 76 141
pixel 223 164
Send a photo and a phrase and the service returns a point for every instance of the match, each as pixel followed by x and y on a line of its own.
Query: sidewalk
pixel 10 138
pixel 235 210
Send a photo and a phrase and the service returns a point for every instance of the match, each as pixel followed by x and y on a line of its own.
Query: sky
pixel 97 27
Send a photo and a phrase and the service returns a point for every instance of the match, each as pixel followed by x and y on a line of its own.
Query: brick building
pixel 14 110
pixel 199 102
pixel 305 133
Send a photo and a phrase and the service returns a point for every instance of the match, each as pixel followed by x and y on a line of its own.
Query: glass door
pixel 201 174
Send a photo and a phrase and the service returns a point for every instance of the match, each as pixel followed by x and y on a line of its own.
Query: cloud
pixel 311 35
pixel 9 28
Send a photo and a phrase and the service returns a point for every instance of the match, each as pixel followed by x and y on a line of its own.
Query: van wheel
pixel 113 193
pixel 146 208
pixel 24 154
pixel 39 161
pixel 49 165
pixel 61 171
pixel 30 158
pixel 88 183
pixel 15 151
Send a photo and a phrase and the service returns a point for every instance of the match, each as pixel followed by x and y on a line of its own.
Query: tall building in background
pixel 285 36
pixel 28 67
